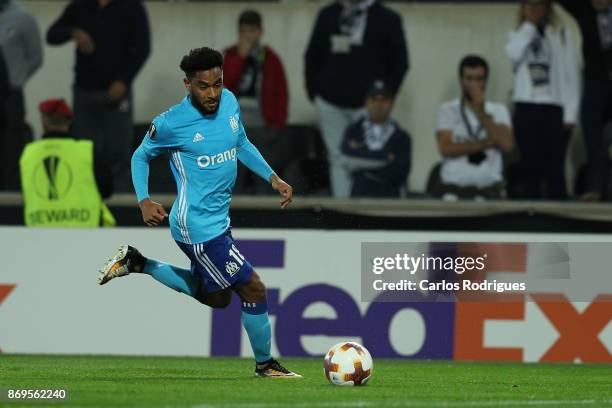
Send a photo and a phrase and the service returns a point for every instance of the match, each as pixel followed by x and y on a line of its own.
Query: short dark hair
pixel 250 17
pixel 201 59
pixel 473 61
pixel 56 120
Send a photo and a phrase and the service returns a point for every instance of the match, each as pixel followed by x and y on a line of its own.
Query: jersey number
pixel 234 253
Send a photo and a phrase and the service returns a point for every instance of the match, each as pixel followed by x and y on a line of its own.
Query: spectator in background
pixel 377 151
pixel 63 183
pixel 21 50
pixel 595 20
pixel 353 43
pixel 112 44
pixel 255 74
pixel 472 133
pixel 546 95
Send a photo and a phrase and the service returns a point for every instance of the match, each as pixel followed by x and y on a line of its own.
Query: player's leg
pixel 256 322
pixel 255 317
pixel 216 300
pixel 188 281
pixel 129 260
pixel 229 268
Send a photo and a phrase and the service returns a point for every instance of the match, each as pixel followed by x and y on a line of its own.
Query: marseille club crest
pixel 234 123
pixel 231 268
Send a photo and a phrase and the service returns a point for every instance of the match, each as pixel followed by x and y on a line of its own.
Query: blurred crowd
pixel 355 63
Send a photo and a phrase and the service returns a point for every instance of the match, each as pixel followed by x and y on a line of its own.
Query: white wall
pixel 438 36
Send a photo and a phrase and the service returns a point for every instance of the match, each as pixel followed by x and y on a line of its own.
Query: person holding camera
pixel 472 133
pixel 546 96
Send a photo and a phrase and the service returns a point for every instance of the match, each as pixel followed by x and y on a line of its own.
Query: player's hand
pixel 152 213
pixel 85 43
pixel 285 190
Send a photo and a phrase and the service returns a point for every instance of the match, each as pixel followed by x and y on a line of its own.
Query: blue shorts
pixel 218 262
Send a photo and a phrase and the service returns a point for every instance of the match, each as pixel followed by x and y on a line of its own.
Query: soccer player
pixel 203 136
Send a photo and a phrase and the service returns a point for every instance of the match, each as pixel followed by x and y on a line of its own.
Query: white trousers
pixel 333 120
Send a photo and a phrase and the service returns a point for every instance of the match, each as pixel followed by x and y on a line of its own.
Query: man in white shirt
pixel 472 133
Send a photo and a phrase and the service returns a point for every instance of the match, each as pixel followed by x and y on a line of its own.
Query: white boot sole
pixel 105 273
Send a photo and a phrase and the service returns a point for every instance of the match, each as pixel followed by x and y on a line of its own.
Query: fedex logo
pixel 452 330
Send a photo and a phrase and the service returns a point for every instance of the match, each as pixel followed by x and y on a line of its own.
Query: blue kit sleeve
pixel 250 156
pixel 155 143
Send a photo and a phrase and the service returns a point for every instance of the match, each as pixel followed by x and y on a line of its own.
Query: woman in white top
pixel 546 96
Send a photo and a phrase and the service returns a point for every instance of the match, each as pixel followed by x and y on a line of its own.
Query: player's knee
pixel 261 290
pixel 253 291
pixel 213 300
pixel 258 288
pixel 256 291
pixel 220 304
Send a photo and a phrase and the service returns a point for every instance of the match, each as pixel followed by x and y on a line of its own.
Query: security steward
pixel 63 184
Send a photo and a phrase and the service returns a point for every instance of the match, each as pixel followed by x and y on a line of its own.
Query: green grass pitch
pixel 111 381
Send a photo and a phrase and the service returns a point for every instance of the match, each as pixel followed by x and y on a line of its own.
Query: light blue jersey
pixel 202 151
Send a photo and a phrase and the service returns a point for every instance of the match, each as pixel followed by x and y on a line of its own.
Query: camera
pixel 477 158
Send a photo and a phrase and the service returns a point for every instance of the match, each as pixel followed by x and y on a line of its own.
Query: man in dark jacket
pixel 376 150
pixel 353 43
pixel 112 44
pixel 595 20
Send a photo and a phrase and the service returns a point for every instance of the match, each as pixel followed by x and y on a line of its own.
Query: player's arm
pixel 254 161
pixel 153 145
pixel 252 158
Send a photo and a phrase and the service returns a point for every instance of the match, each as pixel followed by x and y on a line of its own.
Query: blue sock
pixel 179 279
pixel 257 325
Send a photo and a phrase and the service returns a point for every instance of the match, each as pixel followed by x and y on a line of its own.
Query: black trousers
pixel 596 112
pixel 110 128
pixel 14 135
pixel 542 143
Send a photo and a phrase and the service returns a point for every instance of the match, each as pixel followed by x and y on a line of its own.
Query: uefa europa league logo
pixel 52 178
